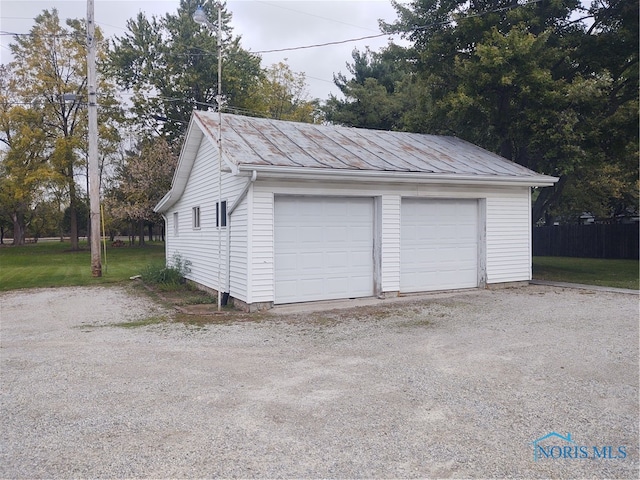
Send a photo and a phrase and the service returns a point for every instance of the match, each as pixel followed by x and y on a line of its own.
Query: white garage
pixel 323 248
pixel 438 244
pixel 322 212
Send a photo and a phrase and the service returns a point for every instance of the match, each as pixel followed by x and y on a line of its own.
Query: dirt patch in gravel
pixel 454 386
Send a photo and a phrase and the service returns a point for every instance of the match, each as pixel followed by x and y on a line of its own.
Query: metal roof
pixel 291 150
pixel 252 141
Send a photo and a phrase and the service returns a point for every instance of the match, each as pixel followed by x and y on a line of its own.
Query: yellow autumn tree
pixel 24 166
pixel 282 94
pixel 49 67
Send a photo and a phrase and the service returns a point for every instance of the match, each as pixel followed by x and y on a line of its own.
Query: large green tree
pixel 170 64
pixel 378 94
pixel 532 82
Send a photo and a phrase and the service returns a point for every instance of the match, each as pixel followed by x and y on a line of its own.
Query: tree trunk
pixel 1 235
pixel 548 197
pixel 151 232
pixel 141 233
pixel 18 228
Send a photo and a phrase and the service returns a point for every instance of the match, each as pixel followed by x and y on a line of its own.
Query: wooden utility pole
pixel 94 174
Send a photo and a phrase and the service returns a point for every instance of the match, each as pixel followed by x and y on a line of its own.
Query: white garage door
pixel 438 244
pixel 323 248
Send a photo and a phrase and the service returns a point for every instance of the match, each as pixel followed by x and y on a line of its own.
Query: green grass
pixel 588 271
pixel 52 264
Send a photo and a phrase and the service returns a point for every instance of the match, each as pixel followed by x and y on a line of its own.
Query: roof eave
pixel 162 206
pixel 377 176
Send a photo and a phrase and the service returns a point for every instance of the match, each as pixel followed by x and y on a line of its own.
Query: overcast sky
pixel 263 25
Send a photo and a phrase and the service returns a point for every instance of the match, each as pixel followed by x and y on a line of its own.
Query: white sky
pixel 263 25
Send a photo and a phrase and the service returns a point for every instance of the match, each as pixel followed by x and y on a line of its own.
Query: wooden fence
pixel 587 241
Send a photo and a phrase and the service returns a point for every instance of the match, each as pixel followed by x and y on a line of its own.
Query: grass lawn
pixel 589 271
pixel 52 264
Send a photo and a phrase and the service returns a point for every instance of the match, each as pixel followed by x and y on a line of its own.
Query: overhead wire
pixel 318 45
pixel 421 27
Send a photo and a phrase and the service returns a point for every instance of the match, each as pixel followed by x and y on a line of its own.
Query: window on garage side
pixel 175 223
pixel 221 214
pixel 195 217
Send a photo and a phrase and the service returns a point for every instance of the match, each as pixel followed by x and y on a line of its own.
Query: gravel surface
pixel 455 385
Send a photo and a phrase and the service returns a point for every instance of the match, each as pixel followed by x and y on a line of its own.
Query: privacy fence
pixel 587 241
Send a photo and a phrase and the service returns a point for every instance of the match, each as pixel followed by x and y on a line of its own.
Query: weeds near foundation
pixel 170 275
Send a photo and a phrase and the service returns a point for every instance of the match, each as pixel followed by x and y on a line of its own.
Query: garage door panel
pixel 287 261
pixel 439 248
pixel 308 233
pixel 336 260
pixel 331 240
pixel 359 260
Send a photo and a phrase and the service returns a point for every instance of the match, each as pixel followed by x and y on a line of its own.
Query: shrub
pixel 172 274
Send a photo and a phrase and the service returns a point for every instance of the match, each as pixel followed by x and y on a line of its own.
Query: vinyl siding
pixel 232 187
pixel 507 228
pixel 262 247
pixel 390 243
pixel 509 237
pixel 200 246
pixel 508 234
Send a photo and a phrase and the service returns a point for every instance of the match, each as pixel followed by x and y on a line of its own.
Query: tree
pixel 282 94
pixel 141 182
pixel 170 64
pixel 378 94
pixel 529 82
pixel 609 55
pixel 24 168
pixel 50 71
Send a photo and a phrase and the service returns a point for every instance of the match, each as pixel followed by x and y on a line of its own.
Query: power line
pixel 338 42
pixel 422 27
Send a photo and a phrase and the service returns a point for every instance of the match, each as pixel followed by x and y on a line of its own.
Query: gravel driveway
pixel 455 385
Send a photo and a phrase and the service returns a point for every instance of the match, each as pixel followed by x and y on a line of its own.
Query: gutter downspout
pixel 230 210
pixel 166 237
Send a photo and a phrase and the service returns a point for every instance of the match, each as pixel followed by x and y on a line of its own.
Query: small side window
pixel 222 214
pixel 196 217
pixel 175 223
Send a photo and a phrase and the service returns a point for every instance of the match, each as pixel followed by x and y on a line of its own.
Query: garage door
pixel 323 248
pixel 438 244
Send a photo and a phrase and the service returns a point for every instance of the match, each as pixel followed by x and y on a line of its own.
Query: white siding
pixel 200 246
pixel 509 236
pixel 232 187
pixel 507 223
pixel 262 247
pixel 390 243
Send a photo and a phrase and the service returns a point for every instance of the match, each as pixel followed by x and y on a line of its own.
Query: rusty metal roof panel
pixel 344 142
pixel 315 152
pixel 258 141
pixel 402 145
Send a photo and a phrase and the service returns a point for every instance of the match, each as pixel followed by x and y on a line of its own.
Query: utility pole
pixel 200 17
pixel 219 102
pixel 94 174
